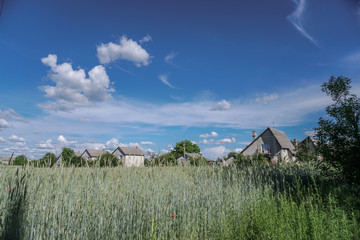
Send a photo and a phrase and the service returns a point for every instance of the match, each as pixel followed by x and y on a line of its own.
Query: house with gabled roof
pixel 273 143
pixel 311 141
pixel 92 154
pixel 130 156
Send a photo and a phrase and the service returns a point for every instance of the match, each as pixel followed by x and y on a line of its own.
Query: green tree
pixel 198 161
pixel 108 160
pixel 338 136
pixel 48 160
pixel 189 148
pixel 165 159
pixel 67 155
pixel 20 160
pixel 305 153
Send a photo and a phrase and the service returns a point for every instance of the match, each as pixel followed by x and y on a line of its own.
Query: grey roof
pixel 131 151
pixel 228 162
pixel 182 161
pixel 310 139
pixel 94 152
pixel 280 136
pixel 282 139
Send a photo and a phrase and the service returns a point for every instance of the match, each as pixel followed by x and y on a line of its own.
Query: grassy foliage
pixel 254 202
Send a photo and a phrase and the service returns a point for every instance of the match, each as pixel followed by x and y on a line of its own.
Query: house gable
pixel 272 142
pixel 265 139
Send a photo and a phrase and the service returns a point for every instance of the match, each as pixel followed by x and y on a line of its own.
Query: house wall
pixel 284 155
pixel 131 160
pixel 266 138
pixel 86 156
pixel 118 154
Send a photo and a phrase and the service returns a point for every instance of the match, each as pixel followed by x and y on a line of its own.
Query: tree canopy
pixel 20 160
pixel 189 148
pixel 338 135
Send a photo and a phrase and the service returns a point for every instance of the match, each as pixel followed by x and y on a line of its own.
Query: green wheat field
pixel 253 202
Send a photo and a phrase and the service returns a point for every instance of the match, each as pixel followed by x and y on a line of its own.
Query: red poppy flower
pixel 8 188
pixel 172 215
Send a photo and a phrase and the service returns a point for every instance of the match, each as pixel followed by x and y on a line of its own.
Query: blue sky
pixel 97 74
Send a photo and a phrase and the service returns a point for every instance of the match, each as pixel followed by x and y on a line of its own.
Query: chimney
pixel 254 135
pixel 136 147
pixel 295 142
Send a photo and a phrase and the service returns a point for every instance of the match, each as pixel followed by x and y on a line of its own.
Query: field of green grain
pixel 257 202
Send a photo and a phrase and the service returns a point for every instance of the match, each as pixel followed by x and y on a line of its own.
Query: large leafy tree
pixel 108 160
pixel 20 160
pixel 189 148
pixel 48 160
pixel 339 136
pixel 67 155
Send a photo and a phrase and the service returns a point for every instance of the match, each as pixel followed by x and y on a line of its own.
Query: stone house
pixel 274 144
pixel 130 156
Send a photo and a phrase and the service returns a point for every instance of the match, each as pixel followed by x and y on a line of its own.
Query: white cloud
pixel 45 145
pixel 134 145
pixel 147 143
pixel 221 106
pixel 267 98
pixel 164 79
pixel 145 39
pixel 10 115
pixel 14 138
pixel 207 135
pixel 294 107
pixel 238 150
pixel 310 133
pixel 72 88
pixel 2 139
pixel 296 18
pixel 148 150
pixel 219 142
pixel 112 143
pixel 127 49
pixel 164 151
pixel 215 152
pixel 62 139
pixel 4 124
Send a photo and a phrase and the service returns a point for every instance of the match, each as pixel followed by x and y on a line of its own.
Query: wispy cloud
pixel 164 79
pixel 352 60
pixel 267 98
pixel 296 18
pixel 169 59
pixel 208 135
pixel 145 39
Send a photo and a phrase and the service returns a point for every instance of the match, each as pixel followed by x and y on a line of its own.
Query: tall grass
pixel 178 203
